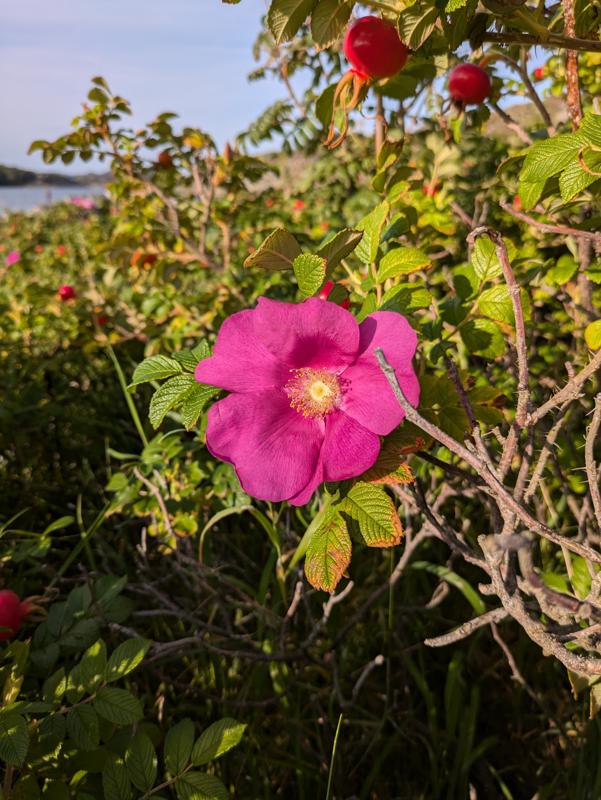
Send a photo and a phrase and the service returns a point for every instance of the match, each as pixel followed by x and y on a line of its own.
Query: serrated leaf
pixel 286 16
pixel 563 271
pixel 574 178
pixel 375 514
pixel 405 297
pixel 551 156
pixel 530 192
pixel 310 273
pixel 14 739
pixel 194 403
pixel 117 706
pixel 141 762
pixel 277 252
pixel 495 303
pixel 169 395
pixel 591 128
pixel 484 259
pixel 328 21
pixel 83 727
pixel 371 225
pixel 592 334
pixel 200 786
pixel 416 23
pixel 188 359
pixel 92 666
pixel 338 247
pixel 328 554
pixel 402 261
pixel 178 746
pixel 218 738
pixel 126 657
pixel 155 368
pixel 455 5
pixel 483 337
pixel 441 404
pixel 115 782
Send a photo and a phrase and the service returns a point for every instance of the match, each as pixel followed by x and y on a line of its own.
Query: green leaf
pixel 310 272
pixel 484 259
pixel 563 271
pixel 169 395
pixel 592 334
pixel 496 304
pixel 92 666
pixel 483 337
pixel 277 252
pixel 194 403
pixel 286 16
pixel 550 157
pixel 115 783
pixel 55 686
pixel 416 23
pixel 83 727
pixel 155 368
pixel 117 706
pixel 441 404
pixel 371 225
pixel 127 656
pixel 453 579
pixel 14 739
pixel 200 786
pixel 402 261
pixel 574 178
pixel 329 20
pixel 375 514
pixel 530 192
pixel 188 359
pixel 328 554
pixel 218 738
pixel 405 297
pixel 338 247
pixel 141 762
pixel 178 746
pixel 455 5
pixel 591 128
pixel 58 524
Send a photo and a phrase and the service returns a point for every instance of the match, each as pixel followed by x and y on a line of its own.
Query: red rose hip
pixel 66 292
pixel 469 84
pixel 11 614
pixel 374 48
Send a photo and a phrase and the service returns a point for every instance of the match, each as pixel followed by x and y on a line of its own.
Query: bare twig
pixel 465 630
pixel 591 467
pixel 566 230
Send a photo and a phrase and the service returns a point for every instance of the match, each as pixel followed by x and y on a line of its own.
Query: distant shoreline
pixel 15 177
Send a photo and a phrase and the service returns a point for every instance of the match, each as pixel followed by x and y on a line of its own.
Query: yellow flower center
pixel 313 392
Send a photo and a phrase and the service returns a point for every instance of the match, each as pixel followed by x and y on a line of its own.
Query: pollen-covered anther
pixel 313 392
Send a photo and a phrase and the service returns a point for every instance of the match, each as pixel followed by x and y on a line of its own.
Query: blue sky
pixel 186 56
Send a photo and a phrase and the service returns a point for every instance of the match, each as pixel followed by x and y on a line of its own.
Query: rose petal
pixel 314 333
pixel 240 362
pixel 273 449
pixel 367 396
pixel 349 449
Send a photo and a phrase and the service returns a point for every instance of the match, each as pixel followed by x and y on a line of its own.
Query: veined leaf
pixel 155 368
pixel 375 514
pixel 328 554
pixel 14 739
pixel 115 782
pixel 126 657
pixel 141 762
pixel 371 225
pixel 178 746
pixel 277 252
pixel 328 21
pixel 339 247
pixel 310 273
pixel 169 395
pixel 117 706
pixel 402 261
pixel 286 16
pixel 200 786
pixel 218 738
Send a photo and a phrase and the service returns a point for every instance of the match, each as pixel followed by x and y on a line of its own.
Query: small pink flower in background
pixel 308 401
pixel 83 202
pixel 12 258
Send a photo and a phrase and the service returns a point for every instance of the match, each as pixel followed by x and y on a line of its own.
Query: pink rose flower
pixel 83 202
pixel 308 401
pixel 12 258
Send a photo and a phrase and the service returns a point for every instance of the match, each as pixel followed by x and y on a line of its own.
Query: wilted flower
pixel 308 400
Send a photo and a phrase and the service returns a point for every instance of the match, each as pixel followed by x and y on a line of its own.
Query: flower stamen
pixel 313 392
